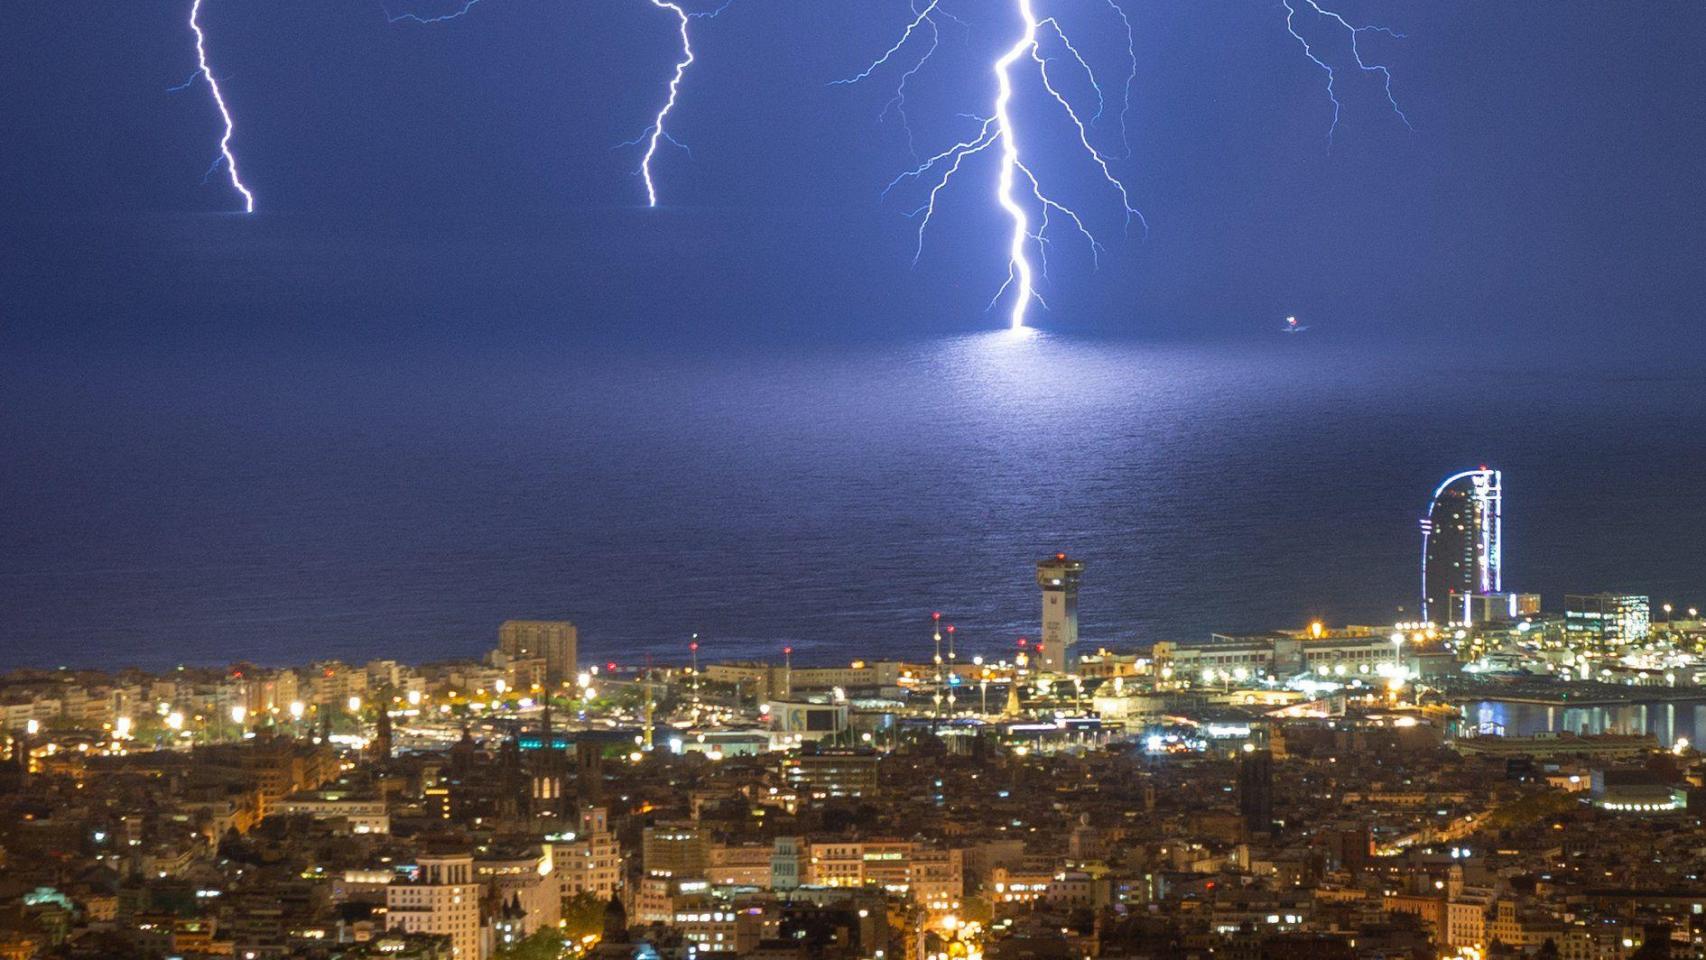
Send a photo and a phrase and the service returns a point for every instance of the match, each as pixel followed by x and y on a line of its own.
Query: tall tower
pixel 381 744
pixel 1461 545
pixel 589 767
pixel 1059 578
pixel 1256 791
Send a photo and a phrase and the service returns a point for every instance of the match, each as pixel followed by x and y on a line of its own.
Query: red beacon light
pixel 936 616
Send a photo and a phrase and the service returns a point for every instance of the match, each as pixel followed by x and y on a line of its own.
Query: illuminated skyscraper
pixel 1461 545
pixel 1059 578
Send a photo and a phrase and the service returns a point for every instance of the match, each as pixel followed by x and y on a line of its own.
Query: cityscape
pixel 1500 778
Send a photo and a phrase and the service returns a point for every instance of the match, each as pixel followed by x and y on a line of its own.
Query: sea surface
pixel 214 452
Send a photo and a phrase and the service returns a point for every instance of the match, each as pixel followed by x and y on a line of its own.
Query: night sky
pixel 1549 187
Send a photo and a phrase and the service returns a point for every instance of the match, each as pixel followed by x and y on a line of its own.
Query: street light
pixel 693 648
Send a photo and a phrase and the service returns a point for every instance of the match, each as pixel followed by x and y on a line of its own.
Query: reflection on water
pixel 823 496
pixel 1666 721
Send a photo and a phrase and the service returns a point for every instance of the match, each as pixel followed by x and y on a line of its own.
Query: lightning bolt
pixel 1018 192
pixel 462 11
pixel 657 133
pixel 1130 77
pixel 206 72
pixel 924 18
pixel 1355 34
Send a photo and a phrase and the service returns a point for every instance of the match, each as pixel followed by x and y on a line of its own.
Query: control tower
pixel 1058 577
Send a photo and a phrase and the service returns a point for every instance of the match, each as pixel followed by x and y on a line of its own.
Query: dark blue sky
pixel 1548 190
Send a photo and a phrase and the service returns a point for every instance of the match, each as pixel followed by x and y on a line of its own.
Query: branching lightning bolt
pixel 1018 192
pixel 1130 77
pixel 657 133
pixel 461 11
pixel 1355 34
pixel 206 72
pixel 924 18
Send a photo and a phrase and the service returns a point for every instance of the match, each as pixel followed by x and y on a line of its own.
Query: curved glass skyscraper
pixel 1460 545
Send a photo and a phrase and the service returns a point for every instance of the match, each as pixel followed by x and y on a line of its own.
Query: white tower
pixel 1059 578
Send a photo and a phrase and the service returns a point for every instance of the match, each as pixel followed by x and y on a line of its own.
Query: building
pixel 522 878
pixel 1635 790
pixel 363 813
pixel 1256 792
pixel 556 641
pixel 713 929
pixel 1059 577
pixel 764 680
pixel 934 876
pixel 676 849
pixel 1608 618
pixel 741 865
pixel 590 860
pixel 1486 607
pixel 443 898
pixel 820 774
pixel 1235 659
pixel 800 721
pixel 1461 553
pixel 399 946
pixel 788 863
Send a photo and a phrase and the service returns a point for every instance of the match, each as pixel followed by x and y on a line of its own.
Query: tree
pixel 544 945
pixel 583 914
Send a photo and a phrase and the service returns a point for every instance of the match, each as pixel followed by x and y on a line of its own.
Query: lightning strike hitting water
pixel 1354 33
pixel 1018 192
pixel 656 133
pixel 206 72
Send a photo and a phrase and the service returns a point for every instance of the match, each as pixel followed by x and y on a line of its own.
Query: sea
pixel 185 479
